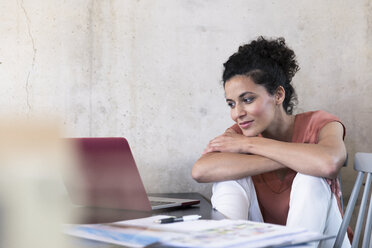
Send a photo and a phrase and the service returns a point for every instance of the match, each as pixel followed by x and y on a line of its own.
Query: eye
pixel 248 99
pixel 231 104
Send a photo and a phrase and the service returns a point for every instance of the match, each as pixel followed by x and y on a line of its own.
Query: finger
pixel 206 150
pixel 209 150
pixel 220 139
pixel 217 147
pixel 230 130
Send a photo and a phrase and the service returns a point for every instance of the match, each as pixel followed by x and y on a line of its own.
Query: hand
pixel 230 141
pixel 230 130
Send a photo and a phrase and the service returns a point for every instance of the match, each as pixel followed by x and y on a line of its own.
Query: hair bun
pixel 277 51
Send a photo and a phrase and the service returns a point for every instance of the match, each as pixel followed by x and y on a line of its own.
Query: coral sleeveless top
pixel 273 192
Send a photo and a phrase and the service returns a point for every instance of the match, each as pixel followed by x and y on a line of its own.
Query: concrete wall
pixel 150 70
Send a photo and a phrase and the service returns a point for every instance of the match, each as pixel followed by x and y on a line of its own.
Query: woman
pixel 273 166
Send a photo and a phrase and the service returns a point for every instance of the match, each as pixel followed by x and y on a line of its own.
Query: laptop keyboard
pixel 157 203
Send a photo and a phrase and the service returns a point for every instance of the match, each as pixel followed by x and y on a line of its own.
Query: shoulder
pixel 317 118
pixel 310 123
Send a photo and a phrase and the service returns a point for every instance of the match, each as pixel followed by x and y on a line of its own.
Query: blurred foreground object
pixel 32 207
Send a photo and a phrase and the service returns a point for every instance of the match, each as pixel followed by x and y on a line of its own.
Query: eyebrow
pixel 241 95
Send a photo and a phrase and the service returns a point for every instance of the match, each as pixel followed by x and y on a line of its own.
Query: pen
pixel 178 219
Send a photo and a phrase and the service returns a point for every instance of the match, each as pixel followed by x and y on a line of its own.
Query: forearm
pixel 220 166
pixel 311 159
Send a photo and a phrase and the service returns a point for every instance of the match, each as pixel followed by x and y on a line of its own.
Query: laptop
pixel 108 177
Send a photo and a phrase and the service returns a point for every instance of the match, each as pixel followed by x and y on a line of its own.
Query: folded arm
pixel 222 166
pixel 323 159
pixel 233 156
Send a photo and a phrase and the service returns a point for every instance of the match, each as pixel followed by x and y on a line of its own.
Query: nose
pixel 238 112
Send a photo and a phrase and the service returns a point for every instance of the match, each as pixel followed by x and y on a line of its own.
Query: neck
pixel 281 128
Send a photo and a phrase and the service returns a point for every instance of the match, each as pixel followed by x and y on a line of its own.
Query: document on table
pixel 199 233
pixel 131 236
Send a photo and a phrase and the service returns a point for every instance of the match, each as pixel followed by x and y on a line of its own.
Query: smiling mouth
pixel 245 124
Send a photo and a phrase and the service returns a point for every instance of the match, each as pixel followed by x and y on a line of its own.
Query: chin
pixel 249 133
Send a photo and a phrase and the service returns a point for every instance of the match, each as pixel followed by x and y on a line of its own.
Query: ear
pixel 279 95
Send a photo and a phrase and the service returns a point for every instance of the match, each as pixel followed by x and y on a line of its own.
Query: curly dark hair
pixel 268 62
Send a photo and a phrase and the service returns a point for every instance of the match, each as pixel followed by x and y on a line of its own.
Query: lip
pixel 245 124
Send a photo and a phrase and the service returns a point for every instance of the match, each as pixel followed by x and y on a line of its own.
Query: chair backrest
pixel 363 165
pixel 340 182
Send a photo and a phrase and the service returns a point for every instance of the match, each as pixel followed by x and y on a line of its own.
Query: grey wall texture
pixel 150 70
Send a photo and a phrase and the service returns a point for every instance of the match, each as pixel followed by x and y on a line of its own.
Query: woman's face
pixel 252 107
